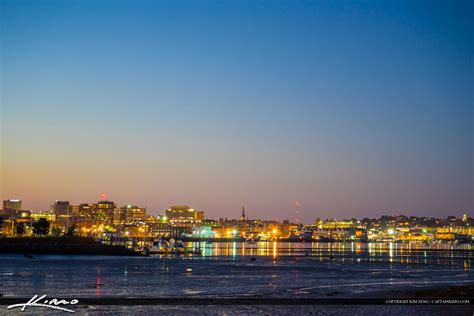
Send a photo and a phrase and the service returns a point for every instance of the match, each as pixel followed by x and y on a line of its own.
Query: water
pixel 226 270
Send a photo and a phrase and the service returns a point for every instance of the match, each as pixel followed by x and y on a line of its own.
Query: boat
pixel 160 246
pixel 177 247
pixel 326 239
pixel 196 251
pixel 252 240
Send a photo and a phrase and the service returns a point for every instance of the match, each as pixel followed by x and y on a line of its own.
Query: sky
pixel 351 108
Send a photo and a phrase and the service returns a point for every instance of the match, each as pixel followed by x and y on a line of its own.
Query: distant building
pixel 129 214
pixel 82 210
pixel 336 224
pixel 334 233
pixel 61 208
pixel 48 215
pixel 62 213
pixel 8 214
pixel 202 231
pixel 12 205
pixel 183 215
pixel 242 217
pixel 104 211
pixel 23 214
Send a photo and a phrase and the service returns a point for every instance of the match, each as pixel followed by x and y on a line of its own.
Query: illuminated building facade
pixel 334 233
pixel 129 214
pixel 184 215
pixel 85 210
pixel 14 205
pixel 104 211
pixel 61 208
pixel 48 215
pixel 62 212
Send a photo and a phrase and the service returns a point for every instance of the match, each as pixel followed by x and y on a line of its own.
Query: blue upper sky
pixel 352 108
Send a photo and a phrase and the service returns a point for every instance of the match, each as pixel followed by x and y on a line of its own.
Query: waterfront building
pixel 202 231
pixel 161 229
pixel 334 233
pixel 336 224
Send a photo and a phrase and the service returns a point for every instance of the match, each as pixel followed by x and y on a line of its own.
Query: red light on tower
pixel 102 197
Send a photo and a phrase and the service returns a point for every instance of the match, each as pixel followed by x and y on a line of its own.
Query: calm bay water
pixel 227 269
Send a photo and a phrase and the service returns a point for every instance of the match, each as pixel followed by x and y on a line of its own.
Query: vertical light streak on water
pixel 391 251
pixel 261 250
pixel 97 291
pixel 207 251
pixel 358 248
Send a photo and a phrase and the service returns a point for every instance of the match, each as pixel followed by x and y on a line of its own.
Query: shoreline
pixel 61 246
pixel 465 291
pixel 88 246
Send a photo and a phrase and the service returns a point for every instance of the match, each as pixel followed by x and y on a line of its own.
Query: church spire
pixel 243 212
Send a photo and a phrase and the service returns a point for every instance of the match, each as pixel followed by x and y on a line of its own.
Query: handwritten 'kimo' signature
pixel 40 301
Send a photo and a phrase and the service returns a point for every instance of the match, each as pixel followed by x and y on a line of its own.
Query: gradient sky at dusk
pixel 352 109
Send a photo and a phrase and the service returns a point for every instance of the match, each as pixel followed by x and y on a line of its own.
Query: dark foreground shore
pixel 429 292
pixel 213 306
pixel 61 246
pixel 450 292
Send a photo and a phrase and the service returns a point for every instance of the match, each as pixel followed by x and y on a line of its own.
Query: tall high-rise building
pixel 62 213
pixel 61 208
pixel 12 205
pixel 104 211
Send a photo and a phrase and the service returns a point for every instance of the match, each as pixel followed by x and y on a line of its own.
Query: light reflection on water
pixel 227 268
pixel 275 249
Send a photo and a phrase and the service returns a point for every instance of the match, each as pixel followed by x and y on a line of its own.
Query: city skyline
pixel 294 215
pixel 352 109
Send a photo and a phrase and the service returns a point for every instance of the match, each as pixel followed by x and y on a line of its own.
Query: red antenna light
pixel 102 197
